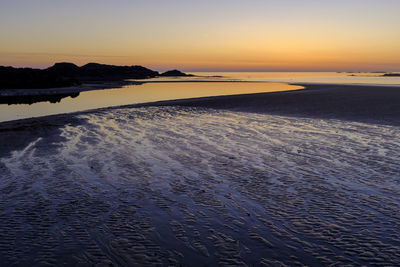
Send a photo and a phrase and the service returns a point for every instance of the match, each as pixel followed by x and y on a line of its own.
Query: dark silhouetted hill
pixel 96 71
pixel 111 72
pixel 66 74
pixel 24 78
pixel 64 69
pixel 174 73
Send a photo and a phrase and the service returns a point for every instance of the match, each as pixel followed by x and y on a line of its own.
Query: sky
pixel 207 35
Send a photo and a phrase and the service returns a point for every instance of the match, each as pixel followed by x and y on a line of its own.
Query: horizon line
pixel 162 69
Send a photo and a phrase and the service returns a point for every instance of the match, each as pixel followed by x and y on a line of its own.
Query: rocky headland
pixel 68 74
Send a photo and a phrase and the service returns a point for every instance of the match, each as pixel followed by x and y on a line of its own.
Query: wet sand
pixel 238 180
pixel 375 104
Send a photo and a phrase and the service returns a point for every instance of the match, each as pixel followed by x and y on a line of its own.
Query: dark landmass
pixel 175 73
pixel 362 72
pixel 30 99
pixel 18 78
pixel 391 75
pixel 378 72
pixel 95 71
pixel 68 74
pixel 101 72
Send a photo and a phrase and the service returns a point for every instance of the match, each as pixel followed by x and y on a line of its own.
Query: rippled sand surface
pixel 192 186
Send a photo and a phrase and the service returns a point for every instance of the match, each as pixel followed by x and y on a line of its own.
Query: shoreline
pixel 103 86
pixel 349 102
pixel 120 84
pixel 371 104
pixel 66 90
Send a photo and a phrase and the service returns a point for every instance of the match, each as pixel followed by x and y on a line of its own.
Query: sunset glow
pixel 306 35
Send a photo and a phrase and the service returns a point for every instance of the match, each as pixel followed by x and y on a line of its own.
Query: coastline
pixel 67 90
pixel 366 103
pixel 101 86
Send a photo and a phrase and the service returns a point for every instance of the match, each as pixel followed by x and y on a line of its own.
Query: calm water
pixel 310 77
pixel 134 94
pixel 203 85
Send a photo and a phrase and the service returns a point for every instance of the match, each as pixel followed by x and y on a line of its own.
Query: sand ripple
pixel 191 186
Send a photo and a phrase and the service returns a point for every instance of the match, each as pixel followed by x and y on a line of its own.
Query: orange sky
pixel 354 35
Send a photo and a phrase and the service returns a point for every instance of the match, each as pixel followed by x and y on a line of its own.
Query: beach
pixel 306 177
pixel 368 103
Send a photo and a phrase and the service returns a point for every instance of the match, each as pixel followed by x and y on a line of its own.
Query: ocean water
pixel 205 84
pixel 310 77
pixel 192 186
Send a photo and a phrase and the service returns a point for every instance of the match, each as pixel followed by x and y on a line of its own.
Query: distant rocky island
pixel 68 74
pixel 391 75
pixel 175 73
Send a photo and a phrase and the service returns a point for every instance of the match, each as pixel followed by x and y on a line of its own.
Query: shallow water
pixel 309 77
pixel 133 94
pixel 191 186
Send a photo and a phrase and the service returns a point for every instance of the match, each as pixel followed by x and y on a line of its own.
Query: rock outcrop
pixel 174 73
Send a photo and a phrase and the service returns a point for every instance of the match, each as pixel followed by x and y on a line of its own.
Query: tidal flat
pixel 198 186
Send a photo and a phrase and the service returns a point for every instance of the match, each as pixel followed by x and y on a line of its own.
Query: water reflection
pixel 134 94
pixel 31 99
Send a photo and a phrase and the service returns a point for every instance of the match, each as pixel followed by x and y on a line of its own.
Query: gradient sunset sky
pixel 226 35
